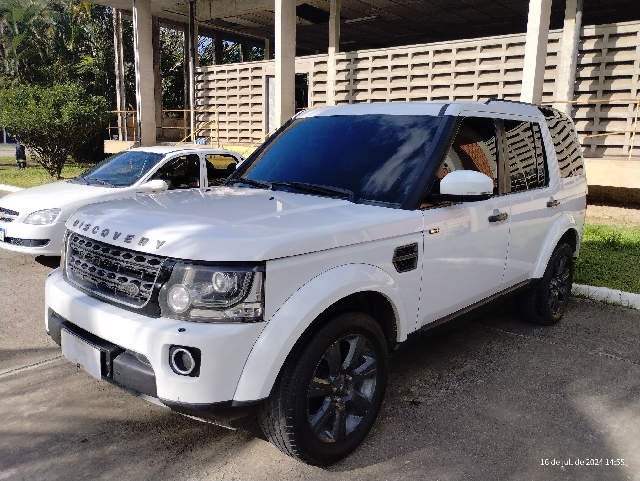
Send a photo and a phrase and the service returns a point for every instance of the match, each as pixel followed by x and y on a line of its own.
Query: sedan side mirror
pixel 465 185
pixel 157 185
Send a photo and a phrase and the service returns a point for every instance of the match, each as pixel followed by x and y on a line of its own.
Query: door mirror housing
pixel 156 185
pixel 465 186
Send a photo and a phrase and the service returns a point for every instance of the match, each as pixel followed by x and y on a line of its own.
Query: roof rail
pixel 510 101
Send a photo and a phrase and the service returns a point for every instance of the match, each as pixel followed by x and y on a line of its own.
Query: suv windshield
pixel 122 169
pixel 374 157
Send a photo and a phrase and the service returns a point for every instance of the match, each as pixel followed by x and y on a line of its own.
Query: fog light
pixel 185 360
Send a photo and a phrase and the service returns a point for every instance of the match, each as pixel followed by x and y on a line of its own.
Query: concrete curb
pixel 9 188
pixel 613 296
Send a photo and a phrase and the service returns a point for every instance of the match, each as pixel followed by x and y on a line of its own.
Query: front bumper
pixel 224 347
pixel 22 233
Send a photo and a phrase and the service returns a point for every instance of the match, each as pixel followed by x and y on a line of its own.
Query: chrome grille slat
pixel 122 275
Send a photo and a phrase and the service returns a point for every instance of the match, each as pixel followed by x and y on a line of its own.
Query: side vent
pixel 405 258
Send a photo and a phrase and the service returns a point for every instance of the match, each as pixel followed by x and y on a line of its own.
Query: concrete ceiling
pixel 380 23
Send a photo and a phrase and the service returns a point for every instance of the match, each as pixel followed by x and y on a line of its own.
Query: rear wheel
pixel 546 303
pixel 330 391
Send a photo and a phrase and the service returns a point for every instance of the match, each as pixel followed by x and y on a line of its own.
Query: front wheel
pixel 546 303
pixel 330 391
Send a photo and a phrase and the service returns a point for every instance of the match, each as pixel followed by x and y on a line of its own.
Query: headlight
pixel 42 217
pixel 213 294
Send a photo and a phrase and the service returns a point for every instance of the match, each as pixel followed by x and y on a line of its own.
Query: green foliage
pixel 53 122
pixel 610 257
pixel 172 47
pixel 47 42
pixel 34 174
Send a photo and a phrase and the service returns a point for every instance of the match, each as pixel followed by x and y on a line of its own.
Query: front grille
pixel 111 272
pixel 9 212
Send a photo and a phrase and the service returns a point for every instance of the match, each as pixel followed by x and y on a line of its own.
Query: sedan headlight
pixel 42 217
pixel 213 294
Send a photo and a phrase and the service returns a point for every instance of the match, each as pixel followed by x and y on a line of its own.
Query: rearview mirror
pixel 465 185
pixel 157 185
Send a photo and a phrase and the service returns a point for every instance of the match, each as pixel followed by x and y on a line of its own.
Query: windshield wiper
pixel 100 181
pixel 319 189
pixel 84 180
pixel 261 184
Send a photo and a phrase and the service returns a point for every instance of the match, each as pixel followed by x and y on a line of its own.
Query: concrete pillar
pixel 121 98
pixel 285 36
pixel 245 49
pixel 217 49
pixel 157 75
pixel 267 49
pixel 193 45
pixel 334 48
pixel 143 54
pixel 535 51
pixel 568 56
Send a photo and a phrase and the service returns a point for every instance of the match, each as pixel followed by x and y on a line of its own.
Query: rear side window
pixel 525 156
pixel 565 143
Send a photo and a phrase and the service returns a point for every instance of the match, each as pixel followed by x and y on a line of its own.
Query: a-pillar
pixel 334 48
pixel 285 37
pixel 566 78
pixel 121 98
pixel 143 55
pixel 535 51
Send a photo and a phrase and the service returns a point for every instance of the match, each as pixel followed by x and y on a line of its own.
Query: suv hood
pixel 238 224
pixel 49 196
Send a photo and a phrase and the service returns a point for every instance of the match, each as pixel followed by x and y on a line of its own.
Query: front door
pixel 465 244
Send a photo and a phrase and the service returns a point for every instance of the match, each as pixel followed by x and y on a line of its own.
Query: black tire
pixel 351 391
pixel 547 301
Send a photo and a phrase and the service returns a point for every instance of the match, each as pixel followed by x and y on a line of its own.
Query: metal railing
pixel 125 128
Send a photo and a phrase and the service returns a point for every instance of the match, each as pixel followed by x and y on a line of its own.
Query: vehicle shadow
pixel 52 262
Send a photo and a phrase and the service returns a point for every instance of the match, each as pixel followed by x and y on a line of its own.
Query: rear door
pixel 465 246
pixel 532 193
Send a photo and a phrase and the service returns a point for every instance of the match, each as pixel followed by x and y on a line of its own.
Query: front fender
pixel 291 320
pixel 563 223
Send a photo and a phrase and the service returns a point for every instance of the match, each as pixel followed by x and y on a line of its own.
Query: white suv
pixel 284 290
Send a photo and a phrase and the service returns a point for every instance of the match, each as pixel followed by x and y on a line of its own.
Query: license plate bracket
pixel 2 231
pixel 82 353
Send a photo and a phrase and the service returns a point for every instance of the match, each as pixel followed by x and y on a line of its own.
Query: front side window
pixel 565 143
pixel 473 148
pixel 376 158
pixel 122 169
pixel 525 157
pixel 180 173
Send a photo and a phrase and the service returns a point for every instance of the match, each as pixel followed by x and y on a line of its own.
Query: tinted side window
pixel 473 148
pixel 525 157
pixel 219 167
pixel 181 173
pixel 565 143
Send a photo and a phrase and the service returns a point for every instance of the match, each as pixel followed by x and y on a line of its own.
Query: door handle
pixel 553 203
pixel 498 217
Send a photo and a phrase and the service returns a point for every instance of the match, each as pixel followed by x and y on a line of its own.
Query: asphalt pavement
pixel 493 399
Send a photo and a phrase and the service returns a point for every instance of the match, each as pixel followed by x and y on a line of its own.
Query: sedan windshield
pixel 373 158
pixel 123 169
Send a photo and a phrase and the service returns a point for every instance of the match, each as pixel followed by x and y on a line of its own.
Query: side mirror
pixel 157 185
pixel 465 185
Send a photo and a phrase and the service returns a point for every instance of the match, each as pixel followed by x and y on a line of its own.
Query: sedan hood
pixel 49 196
pixel 238 224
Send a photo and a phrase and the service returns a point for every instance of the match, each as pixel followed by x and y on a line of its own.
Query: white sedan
pixel 32 220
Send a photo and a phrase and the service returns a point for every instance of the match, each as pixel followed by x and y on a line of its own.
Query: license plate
pixel 1 234
pixel 81 353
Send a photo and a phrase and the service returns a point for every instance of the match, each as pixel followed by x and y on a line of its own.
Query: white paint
pixel 613 296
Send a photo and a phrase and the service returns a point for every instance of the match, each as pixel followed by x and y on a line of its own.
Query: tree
pixel 53 122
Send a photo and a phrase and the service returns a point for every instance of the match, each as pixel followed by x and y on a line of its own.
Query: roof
pixel 167 149
pixel 425 108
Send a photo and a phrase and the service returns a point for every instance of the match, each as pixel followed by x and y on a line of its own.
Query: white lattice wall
pixel 608 67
